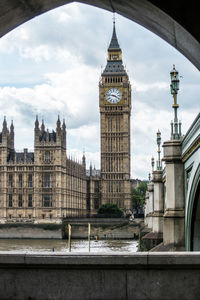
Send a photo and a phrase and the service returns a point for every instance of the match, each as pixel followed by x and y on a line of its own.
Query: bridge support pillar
pixel 157 216
pixel 146 211
pixel 174 216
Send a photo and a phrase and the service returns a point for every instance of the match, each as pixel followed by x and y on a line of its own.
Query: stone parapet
pixel 100 276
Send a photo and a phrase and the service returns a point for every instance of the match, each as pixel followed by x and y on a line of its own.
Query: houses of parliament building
pixel 47 186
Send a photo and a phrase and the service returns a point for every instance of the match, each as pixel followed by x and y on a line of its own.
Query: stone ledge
pixel 167 248
pixel 157 213
pixel 153 235
pixel 171 213
pixel 115 260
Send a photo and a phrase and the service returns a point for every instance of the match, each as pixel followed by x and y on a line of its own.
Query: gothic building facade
pixel 44 185
pixel 47 186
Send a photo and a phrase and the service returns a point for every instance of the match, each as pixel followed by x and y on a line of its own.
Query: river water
pixel 61 246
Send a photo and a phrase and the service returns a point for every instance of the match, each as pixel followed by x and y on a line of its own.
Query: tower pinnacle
pixel 114 64
pixel 4 124
pixel 36 122
pixel 114 45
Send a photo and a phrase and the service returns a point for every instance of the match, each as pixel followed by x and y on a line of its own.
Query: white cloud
pixel 143 87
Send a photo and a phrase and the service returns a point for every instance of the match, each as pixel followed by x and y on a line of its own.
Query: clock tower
pixel 115 111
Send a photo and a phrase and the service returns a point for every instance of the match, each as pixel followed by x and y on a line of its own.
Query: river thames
pixel 61 246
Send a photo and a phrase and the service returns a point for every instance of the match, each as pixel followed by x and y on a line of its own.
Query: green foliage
pixel 110 210
pixel 138 195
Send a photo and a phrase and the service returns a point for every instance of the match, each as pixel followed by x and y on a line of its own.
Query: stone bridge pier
pixel 174 213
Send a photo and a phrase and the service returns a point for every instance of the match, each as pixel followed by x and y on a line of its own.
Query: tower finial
pixel 114 45
pixel 114 18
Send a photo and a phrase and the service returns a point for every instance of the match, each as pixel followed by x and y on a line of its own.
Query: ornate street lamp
pixel 149 177
pixel 174 86
pixel 174 81
pixel 159 166
pixel 152 163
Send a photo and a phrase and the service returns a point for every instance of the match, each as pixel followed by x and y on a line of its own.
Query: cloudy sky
pixel 52 64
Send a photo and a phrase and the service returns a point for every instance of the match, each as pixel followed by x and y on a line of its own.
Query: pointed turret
pixel 11 126
pixel 64 134
pixel 114 45
pixel 58 123
pixel 47 135
pixel 5 125
pixel 90 169
pixel 84 160
pixel 12 136
pixel 64 125
pixel 36 123
pixel 42 126
pixel 36 131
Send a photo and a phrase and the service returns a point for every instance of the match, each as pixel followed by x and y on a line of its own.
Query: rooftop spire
pixel 36 122
pixel 114 42
pixel 4 124
pixel 58 122
pixel 42 126
pixel 114 64
pixel 12 126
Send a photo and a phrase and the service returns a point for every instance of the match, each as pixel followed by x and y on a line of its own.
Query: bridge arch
pixel 179 27
pixel 193 215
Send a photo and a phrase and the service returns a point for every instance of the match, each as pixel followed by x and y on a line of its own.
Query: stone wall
pixel 106 276
pixel 30 232
pixel 104 229
pixel 100 228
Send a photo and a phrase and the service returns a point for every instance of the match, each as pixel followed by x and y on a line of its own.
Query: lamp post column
pixel 158 192
pixel 174 214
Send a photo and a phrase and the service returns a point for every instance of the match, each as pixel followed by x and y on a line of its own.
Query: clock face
pixel 113 95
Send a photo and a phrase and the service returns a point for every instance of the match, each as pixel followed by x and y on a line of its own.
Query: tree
pixel 138 196
pixel 110 210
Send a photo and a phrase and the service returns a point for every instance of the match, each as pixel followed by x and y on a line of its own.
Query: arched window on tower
pixel 47 156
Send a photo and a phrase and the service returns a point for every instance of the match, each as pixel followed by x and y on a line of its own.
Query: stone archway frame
pixel 191 202
pixel 143 12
